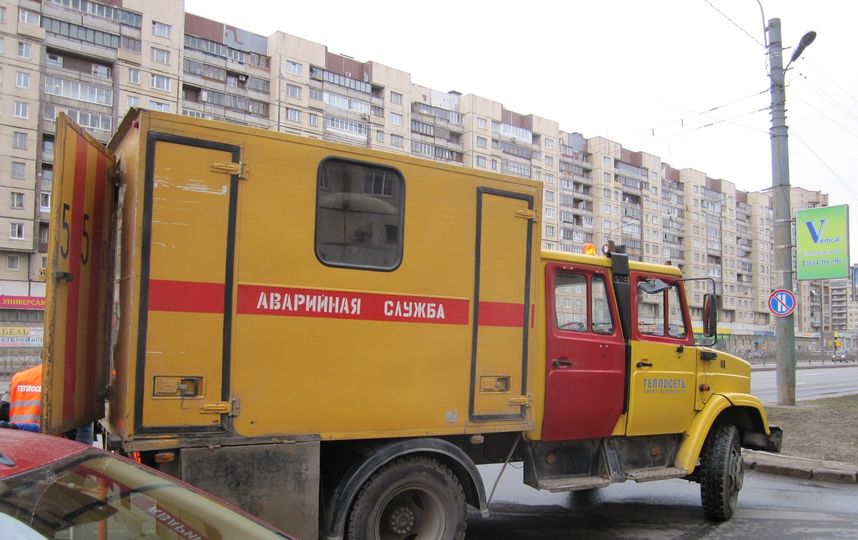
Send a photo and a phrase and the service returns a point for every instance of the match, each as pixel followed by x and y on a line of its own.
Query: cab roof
pixel 602 260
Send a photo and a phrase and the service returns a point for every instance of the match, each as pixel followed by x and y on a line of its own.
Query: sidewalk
pixel 804 468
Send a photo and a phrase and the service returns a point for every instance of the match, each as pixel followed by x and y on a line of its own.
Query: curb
pixel 803 468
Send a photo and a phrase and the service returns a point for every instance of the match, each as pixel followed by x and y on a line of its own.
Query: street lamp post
pixel 784 326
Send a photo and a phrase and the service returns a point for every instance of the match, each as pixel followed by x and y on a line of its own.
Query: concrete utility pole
pixel 784 328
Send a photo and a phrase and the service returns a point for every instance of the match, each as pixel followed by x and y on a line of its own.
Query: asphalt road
pixel 769 507
pixel 810 383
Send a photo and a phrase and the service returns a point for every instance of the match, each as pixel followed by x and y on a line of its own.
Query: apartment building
pixel 94 60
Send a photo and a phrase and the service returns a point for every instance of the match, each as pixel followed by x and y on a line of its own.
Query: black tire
pixel 721 472
pixel 412 498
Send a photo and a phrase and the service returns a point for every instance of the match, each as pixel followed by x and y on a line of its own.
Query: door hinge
pixel 529 215
pixel 520 400
pixel 239 169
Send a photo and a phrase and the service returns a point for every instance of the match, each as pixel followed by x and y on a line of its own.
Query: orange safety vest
pixel 25 396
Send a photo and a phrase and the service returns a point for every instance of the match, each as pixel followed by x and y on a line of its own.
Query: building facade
pixel 95 60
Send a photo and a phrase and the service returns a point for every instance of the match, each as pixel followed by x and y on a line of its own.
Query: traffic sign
pixel 782 303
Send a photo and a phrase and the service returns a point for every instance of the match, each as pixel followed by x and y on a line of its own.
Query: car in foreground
pixel 52 487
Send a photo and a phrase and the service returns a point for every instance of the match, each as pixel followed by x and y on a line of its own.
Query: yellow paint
pixel 339 378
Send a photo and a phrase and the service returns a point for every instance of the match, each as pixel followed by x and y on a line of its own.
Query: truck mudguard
pixel 696 435
pixel 446 452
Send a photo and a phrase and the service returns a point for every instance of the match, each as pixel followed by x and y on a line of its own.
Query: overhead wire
pixel 839 178
pixel 737 25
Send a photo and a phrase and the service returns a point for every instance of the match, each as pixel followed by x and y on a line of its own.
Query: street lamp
pixel 784 327
pixel 606 235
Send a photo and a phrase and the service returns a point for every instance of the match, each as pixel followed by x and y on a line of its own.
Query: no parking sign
pixel 782 303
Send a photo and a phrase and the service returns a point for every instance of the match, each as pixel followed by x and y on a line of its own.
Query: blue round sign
pixel 782 303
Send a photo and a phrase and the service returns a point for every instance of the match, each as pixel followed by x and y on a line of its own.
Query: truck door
pixel 662 378
pixel 78 279
pixel 186 289
pixel 585 356
pixel 501 305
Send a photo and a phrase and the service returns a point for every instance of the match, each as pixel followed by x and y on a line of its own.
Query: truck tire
pixel 721 472
pixel 413 498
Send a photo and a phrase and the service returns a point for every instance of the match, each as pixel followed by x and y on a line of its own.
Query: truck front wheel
pixel 721 472
pixel 414 497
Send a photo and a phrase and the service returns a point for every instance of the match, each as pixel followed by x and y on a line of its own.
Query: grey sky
pixel 674 78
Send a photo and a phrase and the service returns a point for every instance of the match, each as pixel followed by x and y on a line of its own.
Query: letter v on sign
pixel 815 234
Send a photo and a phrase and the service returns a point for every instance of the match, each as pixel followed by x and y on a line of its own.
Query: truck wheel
pixel 412 498
pixel 721 473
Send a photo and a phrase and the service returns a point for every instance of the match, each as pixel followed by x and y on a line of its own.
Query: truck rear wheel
pixel 721 473
pixel 412 498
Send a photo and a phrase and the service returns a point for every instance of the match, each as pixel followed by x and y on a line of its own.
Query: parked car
pixel 52 487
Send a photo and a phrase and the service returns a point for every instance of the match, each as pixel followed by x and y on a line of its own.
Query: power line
pixel 757 41
pixel 828 97
pixel 683 120
pixel 712 124
pixel 832 81
pixel 843 182
pixel 832 120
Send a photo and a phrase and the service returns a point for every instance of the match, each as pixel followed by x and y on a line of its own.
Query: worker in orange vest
pixel 25 399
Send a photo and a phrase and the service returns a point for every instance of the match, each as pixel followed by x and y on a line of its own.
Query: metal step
pixel 571 483
pixel 658 473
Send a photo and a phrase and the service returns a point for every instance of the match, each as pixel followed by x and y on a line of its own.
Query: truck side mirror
pixel 710 315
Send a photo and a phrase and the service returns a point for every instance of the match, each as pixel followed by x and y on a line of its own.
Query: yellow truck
pixel 334 337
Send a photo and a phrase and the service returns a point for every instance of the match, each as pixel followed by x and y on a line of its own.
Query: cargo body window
pixel 359 215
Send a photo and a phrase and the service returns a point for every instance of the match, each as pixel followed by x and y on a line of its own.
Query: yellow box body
pixel 227 321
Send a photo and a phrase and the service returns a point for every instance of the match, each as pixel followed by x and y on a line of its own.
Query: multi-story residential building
pixel 93 60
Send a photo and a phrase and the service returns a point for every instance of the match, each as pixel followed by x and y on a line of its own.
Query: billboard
pixel 822 242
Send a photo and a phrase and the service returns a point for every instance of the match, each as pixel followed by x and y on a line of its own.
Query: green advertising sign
pixel 822 242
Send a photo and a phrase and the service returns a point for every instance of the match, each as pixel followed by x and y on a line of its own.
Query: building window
pixel 22 110
pixel 481 161
pixel 19 140
pixel 25 50
pixel 481 123
pixel 293 91
pixel 549 143
pixel 158 106
pixel 549 161
pixel 44 202
pixel 16 231
pixel 396 119
pixel 359 223
pixel 22 80
pixel 396 140
pixel 18 169
pixel 379 136
pixel 482 142
pixel 549 212
pixel 294 67
pixel 131 44
pixel 395 98
pixel 316 94
pixel 549 231
pixel 494 164
pixel 160 56
pixel 314 119
pixel 293 115
pixel 161 82
pixel 13 263
pixel 134 76
pixel 549 196
pixel 17 200
pixel 28 17
pixel 2 14
pixel 132 101
pixel 160 29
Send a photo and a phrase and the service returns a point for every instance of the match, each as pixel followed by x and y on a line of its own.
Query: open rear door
pixel 77 310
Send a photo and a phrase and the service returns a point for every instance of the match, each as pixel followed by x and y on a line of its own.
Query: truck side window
pixel 570 302
pixel 657 307
pixel 601 308
pixel 650 312
pixel 359 215
pixel 676 326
